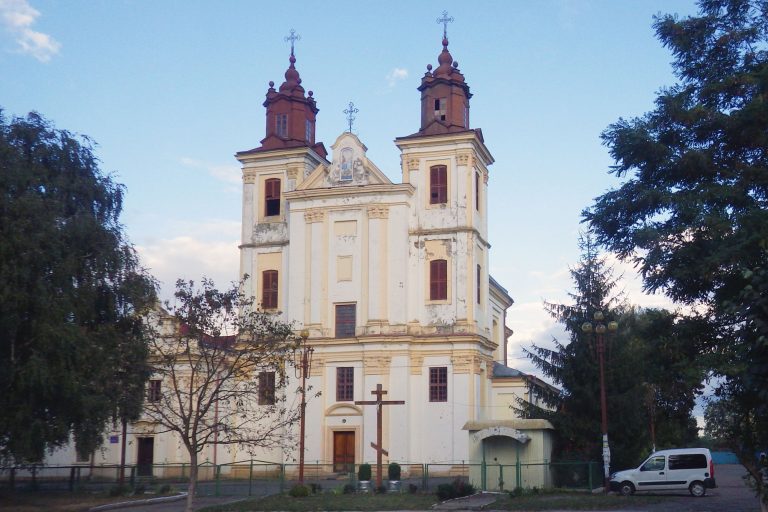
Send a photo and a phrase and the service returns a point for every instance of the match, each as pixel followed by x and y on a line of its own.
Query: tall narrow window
pixel 345 383
pixel 466 117
pixel 345 320
pixel 479 281
pixel 269 289
pixel 438 280
pixel 154 391
pixel 266 388
pixel 438 384
pixel 308 130
pixel 477 191
pixel 440 108
pixel 271 197
pixel 438 184
pixel 281 125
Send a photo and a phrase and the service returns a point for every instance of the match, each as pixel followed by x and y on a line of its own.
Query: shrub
pixel 516 492
pixel 413 488
pixel 299 491
pixel 456 489
pixel 119 490
pixel 316 488
pixel 349 489
pixel 364 472
pixel 393 471
pixel 165 489
pixel 382 489
pixel 140 488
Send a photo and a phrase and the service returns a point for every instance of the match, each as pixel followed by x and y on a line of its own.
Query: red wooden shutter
pixel 269 289
pixel 438 280
pixel 271 197
pixel 438 184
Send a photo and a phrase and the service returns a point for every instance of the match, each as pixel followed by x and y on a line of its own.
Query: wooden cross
pixel 379 392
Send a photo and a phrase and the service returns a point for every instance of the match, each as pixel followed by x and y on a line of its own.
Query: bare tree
pixel 222 371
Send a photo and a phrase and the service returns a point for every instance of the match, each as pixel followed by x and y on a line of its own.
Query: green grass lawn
pixel 542 501
pixel 403 501
pixel 63 501
pixel 552 500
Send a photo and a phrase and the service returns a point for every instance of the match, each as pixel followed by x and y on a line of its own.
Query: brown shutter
pixel 269 286
pixel 271 197
pixel 438 280
pixel 438 188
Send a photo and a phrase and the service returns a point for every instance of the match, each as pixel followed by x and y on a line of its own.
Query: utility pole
pixel 303 366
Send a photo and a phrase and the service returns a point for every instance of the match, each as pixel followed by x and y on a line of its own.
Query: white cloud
pixel 225 173
pixel 190 258
pixel 17 16
pixel 396 75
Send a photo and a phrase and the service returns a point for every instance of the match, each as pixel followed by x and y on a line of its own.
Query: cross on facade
pixel 445 20
pixel 292 37
pixel 351 111
pixel 379 393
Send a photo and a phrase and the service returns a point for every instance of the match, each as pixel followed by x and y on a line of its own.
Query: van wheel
pixel 626 489
pixel 697 489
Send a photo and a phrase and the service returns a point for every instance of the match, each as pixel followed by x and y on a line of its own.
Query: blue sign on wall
pixel 113 439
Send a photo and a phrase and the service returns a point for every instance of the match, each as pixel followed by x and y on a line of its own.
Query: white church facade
pixel 390 280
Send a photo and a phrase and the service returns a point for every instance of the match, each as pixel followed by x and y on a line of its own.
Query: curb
pixel 136 503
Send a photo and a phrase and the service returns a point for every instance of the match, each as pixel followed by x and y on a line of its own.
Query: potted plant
pixel 393 472
pixel 364 478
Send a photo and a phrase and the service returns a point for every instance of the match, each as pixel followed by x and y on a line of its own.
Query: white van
pixel 669 470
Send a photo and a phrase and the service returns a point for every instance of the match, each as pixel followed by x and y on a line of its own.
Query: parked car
pixel 669 470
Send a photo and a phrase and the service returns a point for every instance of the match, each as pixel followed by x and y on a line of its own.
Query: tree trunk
pixel 122 451
pixel 192 480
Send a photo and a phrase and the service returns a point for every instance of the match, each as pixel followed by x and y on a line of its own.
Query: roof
pixel 500 370
pixel 518 424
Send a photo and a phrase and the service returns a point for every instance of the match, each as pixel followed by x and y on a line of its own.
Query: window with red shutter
pixel 479 282
pixel 269 289
pixel 154 393
pixel 438 280
pixel 438 384
pixel 438 184
pixel 477 192
pixel 271 197
pixel 345 383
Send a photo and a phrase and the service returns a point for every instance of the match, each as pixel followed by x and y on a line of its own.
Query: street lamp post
pixel 303 365
pixel 599 329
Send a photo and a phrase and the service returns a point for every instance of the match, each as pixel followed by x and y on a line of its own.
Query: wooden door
pixel 145 456
pixel 343 452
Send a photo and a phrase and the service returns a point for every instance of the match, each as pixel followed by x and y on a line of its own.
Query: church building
pixel 390 284
pixel 389 279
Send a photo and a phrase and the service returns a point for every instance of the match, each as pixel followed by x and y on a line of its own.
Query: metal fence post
pixel 501 477
pixel 217 470
pixel 282 477
pixel 425 475
pixel 250 478
pixel 589 470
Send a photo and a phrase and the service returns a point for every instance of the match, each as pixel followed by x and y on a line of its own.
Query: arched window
pixel 269 289
pixel 271 197
pixel 438 184
pixel 438 280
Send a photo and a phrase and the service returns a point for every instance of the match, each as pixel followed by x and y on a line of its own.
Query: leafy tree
pixel 71 293
pixel 222 367
pixel 693 213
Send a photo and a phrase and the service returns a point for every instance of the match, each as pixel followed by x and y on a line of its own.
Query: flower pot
pixel 364 485
pixel 393 485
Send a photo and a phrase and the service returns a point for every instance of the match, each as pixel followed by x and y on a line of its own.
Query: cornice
pixel 449 231
pixel 361 190
pixel 448 139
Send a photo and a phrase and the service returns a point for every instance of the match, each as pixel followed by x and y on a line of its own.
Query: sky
pixel 171 90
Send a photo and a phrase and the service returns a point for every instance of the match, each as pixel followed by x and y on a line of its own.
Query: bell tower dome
pixel 444 94
pixel 291 115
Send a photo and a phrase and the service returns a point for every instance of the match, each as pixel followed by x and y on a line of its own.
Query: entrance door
pixel 343 452
pixel 145 456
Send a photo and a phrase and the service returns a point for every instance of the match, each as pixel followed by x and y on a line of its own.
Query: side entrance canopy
pixel 518 450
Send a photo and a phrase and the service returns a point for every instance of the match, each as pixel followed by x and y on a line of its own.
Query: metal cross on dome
pixel 293 37
pixel 445 20
pixel 351 111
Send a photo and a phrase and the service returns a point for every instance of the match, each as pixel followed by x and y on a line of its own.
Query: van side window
pixel 654 464
pixel 688 461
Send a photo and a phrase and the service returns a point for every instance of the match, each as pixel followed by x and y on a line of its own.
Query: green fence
pixel 258 478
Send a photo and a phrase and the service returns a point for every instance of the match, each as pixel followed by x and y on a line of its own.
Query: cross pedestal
pixel 379 393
